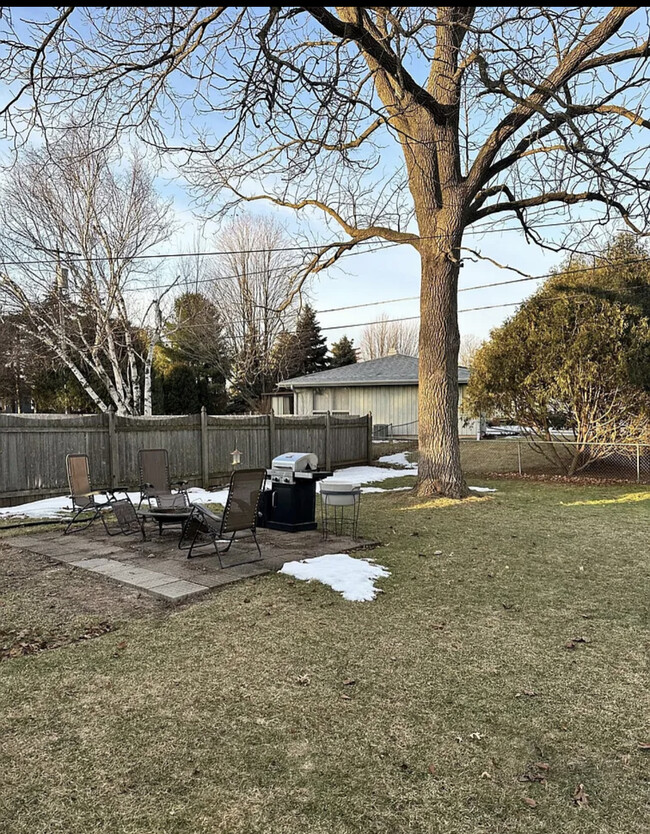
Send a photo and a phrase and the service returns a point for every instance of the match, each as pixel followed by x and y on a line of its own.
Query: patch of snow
pixel 398 459
pixel 61 505
pixel 353 578
pixel 52 507
pixel 483 489
pixel 46 508
pixel 368 474
pixel 204 496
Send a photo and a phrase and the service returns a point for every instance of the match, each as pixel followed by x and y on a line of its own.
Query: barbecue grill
pixel 290 504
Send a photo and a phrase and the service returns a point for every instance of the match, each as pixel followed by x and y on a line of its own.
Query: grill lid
pixel 295 462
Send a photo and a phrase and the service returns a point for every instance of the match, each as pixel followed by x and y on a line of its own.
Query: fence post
pixel 369 438
pixel 113 459
pixel 638 464
pixel 205 449
pixel 519 456
pixel 328 441
pixel 271 436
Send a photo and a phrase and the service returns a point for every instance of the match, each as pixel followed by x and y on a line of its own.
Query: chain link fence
pixel 518 456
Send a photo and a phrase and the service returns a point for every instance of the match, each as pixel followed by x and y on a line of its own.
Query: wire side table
pixel 340 505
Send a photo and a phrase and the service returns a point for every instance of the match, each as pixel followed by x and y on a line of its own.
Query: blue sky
pixel 394 272
pixel 388 274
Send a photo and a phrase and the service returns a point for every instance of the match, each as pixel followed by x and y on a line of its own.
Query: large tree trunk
pixel 439 458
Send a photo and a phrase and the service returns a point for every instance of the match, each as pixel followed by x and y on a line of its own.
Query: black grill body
pixel 291 507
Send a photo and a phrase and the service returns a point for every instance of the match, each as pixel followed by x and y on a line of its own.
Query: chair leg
pixel 246 561
pixel 189 552
pixel 72 521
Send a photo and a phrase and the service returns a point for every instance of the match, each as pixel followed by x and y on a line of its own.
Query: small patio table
pixel 162 516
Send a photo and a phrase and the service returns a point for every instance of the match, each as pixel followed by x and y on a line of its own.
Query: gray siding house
pixel 388 387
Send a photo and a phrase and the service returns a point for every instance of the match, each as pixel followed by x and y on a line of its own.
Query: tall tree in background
pixel 575 356
pixel 193 358
pixel 343 353
pixel 311 344
pixel 384 337
pixel 74 225
pixel 253 285
pixel 495 113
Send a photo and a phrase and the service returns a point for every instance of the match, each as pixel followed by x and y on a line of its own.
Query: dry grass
pixel 233 715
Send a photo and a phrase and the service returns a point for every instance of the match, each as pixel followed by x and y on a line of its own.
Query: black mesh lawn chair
pixel 85 500
pixel 156 488
pixel 207 529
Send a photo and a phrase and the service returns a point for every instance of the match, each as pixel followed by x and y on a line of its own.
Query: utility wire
pixel 486 307
pixel 479 230
pixel 484 286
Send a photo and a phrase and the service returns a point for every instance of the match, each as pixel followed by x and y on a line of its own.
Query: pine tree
pixel 195 347
pixel 343 353
pixel 312 344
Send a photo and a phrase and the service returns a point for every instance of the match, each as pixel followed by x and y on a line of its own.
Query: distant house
pixel 388 387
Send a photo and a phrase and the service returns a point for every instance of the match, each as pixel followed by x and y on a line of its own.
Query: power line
pixel 475 309
pixel 484 286
pixel 480 230
pixel 369 304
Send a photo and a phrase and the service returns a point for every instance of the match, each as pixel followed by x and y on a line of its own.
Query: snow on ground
pixel 47 508
pixel 353 578
pixel 204 496
pixel 367 474
pixel 61 505
pixel 398 459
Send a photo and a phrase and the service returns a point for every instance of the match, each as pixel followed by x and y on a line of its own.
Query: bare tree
pixel 470 344
pixel 73 226
pixel 490 113
pixel 253 285
pixel 386 336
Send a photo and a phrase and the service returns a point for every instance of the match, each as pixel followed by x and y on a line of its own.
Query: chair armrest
pixel 113 490
pixel 178 483
pixel 206 516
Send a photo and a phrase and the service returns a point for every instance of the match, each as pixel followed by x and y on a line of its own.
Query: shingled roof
pixel 395 369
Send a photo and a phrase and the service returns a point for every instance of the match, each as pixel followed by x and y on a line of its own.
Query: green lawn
pixel 234 715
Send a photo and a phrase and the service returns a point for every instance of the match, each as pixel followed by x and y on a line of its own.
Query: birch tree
pixel 73 227
pixel 402 124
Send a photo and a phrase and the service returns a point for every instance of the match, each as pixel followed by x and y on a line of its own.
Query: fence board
pixel 33 446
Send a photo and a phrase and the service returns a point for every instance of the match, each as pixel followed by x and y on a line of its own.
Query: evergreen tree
pixel 286 358
pixel 181 390
pixel 312 345
pixel 194 361
pixel 343 353
pixel 576 357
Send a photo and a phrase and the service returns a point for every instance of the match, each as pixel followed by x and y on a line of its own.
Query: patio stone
pixel 179 590
pixel 159 568
pixel 95 565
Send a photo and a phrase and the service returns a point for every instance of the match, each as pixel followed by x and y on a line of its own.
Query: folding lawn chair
pixel 84 500
pixel 205 528
pixel 155 484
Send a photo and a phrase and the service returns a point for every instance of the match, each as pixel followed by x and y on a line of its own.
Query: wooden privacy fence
pixel 33 446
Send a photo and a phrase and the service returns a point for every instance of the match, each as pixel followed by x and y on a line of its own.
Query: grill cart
pixel 290 504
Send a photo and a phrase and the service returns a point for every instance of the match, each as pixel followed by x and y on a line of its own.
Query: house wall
pixel 396 405
pixel 281 405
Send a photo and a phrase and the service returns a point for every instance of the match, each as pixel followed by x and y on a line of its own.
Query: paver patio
pixel 159 568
